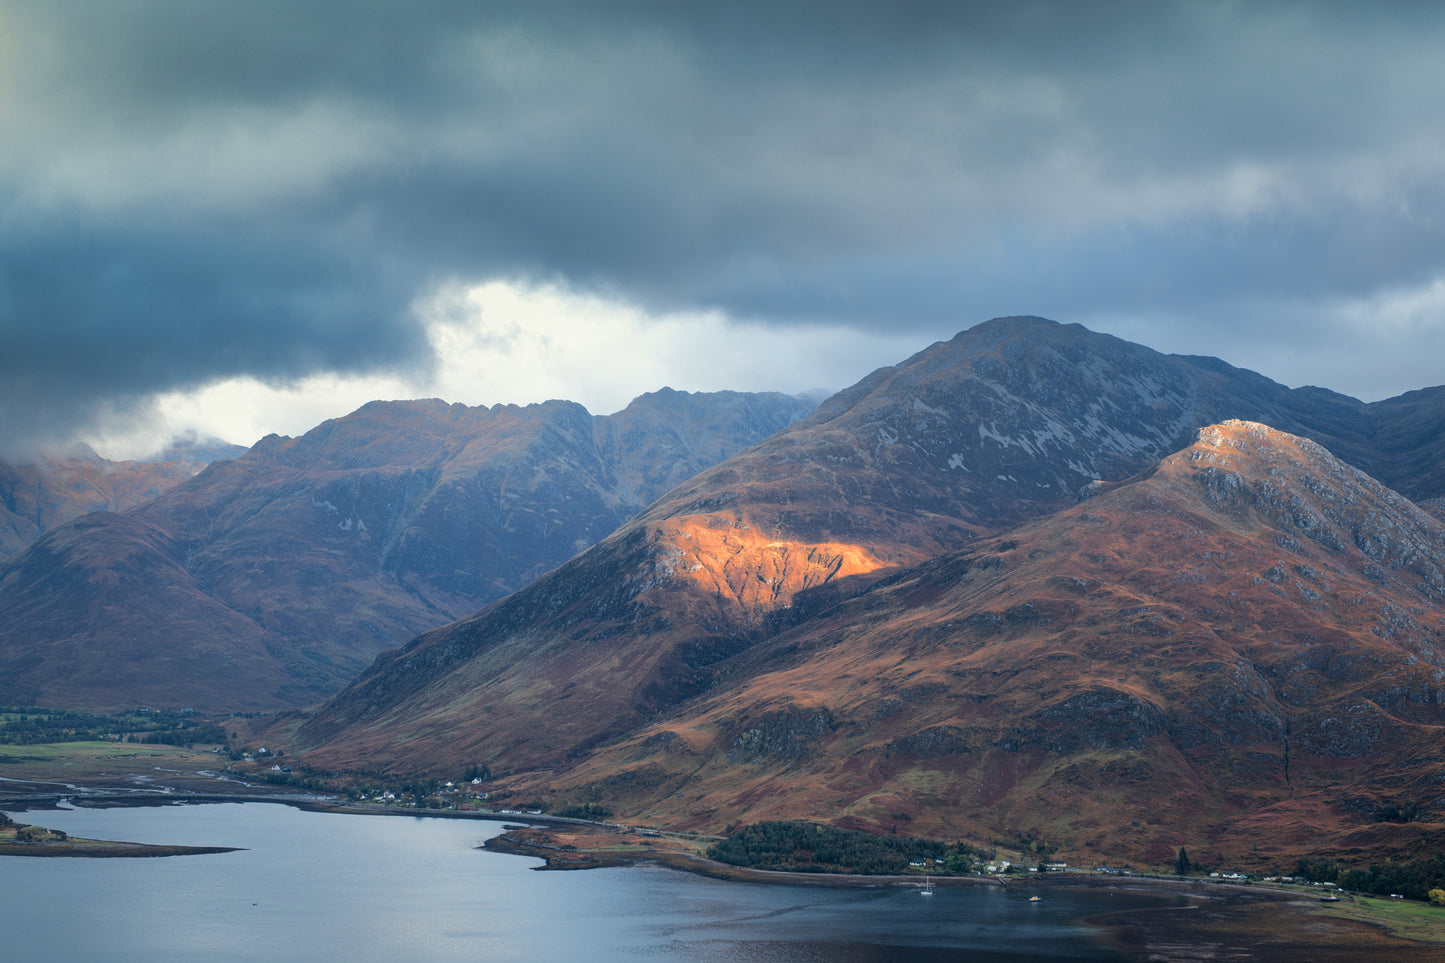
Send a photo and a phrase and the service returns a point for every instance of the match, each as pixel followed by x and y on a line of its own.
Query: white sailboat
pixel 927 888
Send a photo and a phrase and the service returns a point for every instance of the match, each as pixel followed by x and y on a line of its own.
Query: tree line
pixel 804 847
pixel 1414 878
pixel 31 726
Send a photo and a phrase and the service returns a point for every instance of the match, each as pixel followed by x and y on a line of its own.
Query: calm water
pixel 360 888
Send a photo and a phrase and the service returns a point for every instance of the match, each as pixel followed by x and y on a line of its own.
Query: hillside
pixel 270 580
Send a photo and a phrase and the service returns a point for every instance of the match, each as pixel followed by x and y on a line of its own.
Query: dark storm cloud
pixel 137 307
pixel 190 191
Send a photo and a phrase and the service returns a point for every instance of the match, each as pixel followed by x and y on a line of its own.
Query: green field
pixel 92 763
pixel 1409 919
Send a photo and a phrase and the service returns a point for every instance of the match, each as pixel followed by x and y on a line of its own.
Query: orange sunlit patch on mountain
pixel 749 566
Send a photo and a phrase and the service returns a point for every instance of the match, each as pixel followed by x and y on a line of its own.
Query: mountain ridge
pixel 319 552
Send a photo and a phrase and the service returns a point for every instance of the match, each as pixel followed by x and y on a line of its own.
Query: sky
pixel 234 219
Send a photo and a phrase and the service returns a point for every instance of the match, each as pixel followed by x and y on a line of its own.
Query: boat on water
pixel 1036 899
pixel 927 888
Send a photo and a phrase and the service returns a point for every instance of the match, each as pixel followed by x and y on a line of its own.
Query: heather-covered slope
pixel 1242 651
pixel 308 556
pixel 1008 421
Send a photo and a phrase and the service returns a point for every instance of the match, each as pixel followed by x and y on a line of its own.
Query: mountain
pixel 581 681
pixel 50 491
pixel 271 579
pixel 1241 650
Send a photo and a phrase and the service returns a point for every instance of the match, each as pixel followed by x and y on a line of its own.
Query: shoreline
pixel 1220 920
pixel 513 843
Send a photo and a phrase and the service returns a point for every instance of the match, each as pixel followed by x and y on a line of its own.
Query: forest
pixel 1413 878
pixel 31 726
pixel 805 847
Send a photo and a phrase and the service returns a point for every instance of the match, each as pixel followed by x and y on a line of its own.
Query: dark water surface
pixel 314 886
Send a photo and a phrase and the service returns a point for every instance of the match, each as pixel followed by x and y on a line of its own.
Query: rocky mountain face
pixel 39 495
pixel 271 580
pixel 657 651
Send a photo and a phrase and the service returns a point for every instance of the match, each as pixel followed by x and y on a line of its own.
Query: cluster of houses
pixel 995 866
pixel 469 789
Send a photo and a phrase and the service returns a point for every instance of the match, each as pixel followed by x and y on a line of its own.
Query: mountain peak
pixel 1251 436
pixel 1312 498
pixel 1011 324
pixel 1259 450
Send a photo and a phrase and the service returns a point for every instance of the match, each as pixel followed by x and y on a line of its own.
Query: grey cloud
pixel 109 316
pixel 197 190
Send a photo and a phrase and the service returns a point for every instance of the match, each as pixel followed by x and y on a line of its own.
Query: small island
pixel 19 839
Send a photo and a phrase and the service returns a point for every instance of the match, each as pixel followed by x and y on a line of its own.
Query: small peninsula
pixel 19 839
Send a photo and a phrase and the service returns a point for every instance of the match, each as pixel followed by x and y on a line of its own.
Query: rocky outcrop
pixel 1101 717
pixel 789 734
